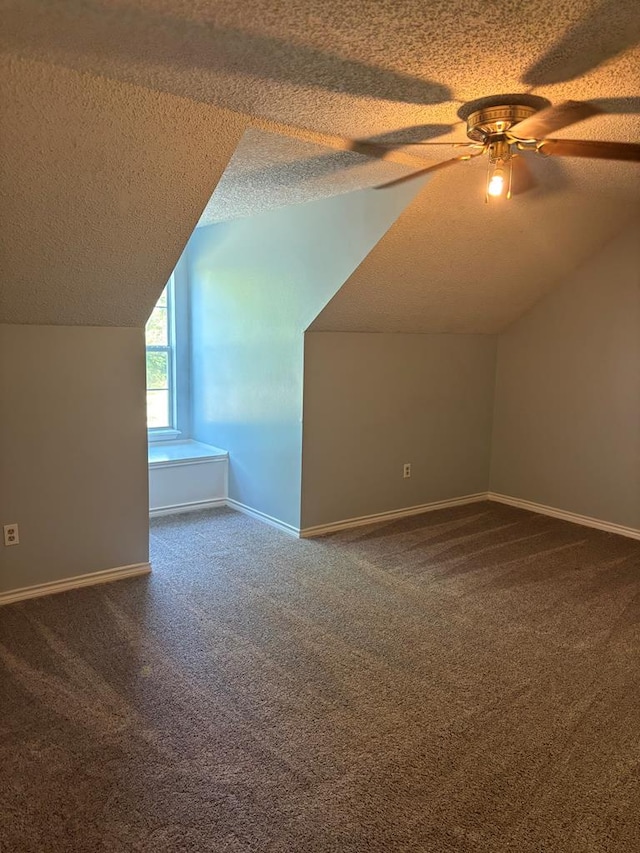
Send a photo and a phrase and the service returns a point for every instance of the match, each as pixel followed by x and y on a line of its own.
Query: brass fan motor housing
pixel 490 122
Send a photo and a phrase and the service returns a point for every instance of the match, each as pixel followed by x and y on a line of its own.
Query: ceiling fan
pixel 501 130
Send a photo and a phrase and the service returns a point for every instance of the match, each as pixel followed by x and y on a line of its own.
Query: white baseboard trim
pixel 574 517
pixel 320 529
pixel 345 524
pixel 262 516
pixel 105 576
pixel 137 569
pixel 192 506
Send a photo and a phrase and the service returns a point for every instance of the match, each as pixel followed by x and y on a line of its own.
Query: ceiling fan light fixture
pixel 504 129
pixel 499 172
pixel 495 184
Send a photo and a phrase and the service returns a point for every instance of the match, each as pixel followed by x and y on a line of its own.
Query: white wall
pixel 375 401
pixel 567 406
pixel 73 463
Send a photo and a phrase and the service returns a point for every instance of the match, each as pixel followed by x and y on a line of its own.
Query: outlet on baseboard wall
pixel 406 470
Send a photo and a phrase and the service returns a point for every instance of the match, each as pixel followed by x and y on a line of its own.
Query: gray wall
pixel 567 410
pixel 256 284
pixel 73 468
pixel 375 401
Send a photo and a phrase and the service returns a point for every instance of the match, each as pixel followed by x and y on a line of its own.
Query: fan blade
pixel 589 148
pixel 435 168
pixel 522 178
pixel 552 118
pixel 340 143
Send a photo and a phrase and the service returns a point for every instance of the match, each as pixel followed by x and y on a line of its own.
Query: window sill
pixel 163 435
pixel 166 454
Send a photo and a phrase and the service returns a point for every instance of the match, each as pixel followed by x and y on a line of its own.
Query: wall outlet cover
pixel 11 534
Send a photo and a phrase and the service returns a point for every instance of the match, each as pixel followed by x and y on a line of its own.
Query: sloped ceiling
pixel 122 117
pixel 102 184
pixel 487 265
pixel 269 171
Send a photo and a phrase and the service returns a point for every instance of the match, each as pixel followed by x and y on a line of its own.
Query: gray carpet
pixel 464 680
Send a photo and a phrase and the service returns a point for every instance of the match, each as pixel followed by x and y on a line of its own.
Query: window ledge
pixel 163 435
pixel 187 452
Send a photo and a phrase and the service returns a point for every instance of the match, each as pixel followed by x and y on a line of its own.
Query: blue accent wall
pixel 255 285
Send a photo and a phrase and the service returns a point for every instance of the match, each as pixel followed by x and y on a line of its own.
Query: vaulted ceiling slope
pixel 270 171
pixel 102 184
pixel 450 263
pixel 120 116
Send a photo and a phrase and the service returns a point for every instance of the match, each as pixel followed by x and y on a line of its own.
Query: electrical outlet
pixel 11 535
pixel 406 470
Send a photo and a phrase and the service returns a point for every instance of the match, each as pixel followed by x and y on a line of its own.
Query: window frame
pixel 178 360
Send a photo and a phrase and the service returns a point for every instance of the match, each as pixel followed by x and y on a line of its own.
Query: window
pixel 169 361
pixel 160 339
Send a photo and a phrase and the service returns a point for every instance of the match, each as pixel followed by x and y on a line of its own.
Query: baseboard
pixel 360 521
pixel 574 517
pixel 105 576
pixel 192 506
pixel 345 524
pixel 262 516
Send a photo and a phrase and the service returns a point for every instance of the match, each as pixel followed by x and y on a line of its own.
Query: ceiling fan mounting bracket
pixel 487 123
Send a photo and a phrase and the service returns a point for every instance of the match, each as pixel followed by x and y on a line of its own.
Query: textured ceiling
pixel 450 263
pixel 105 170
pixel 268 171
pixel 340 65
pixel 101 186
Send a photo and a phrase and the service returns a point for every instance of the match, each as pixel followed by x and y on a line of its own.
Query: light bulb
pixel 499 178
pixel 496 184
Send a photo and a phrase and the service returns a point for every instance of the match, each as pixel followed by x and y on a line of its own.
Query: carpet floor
pixel 462 681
